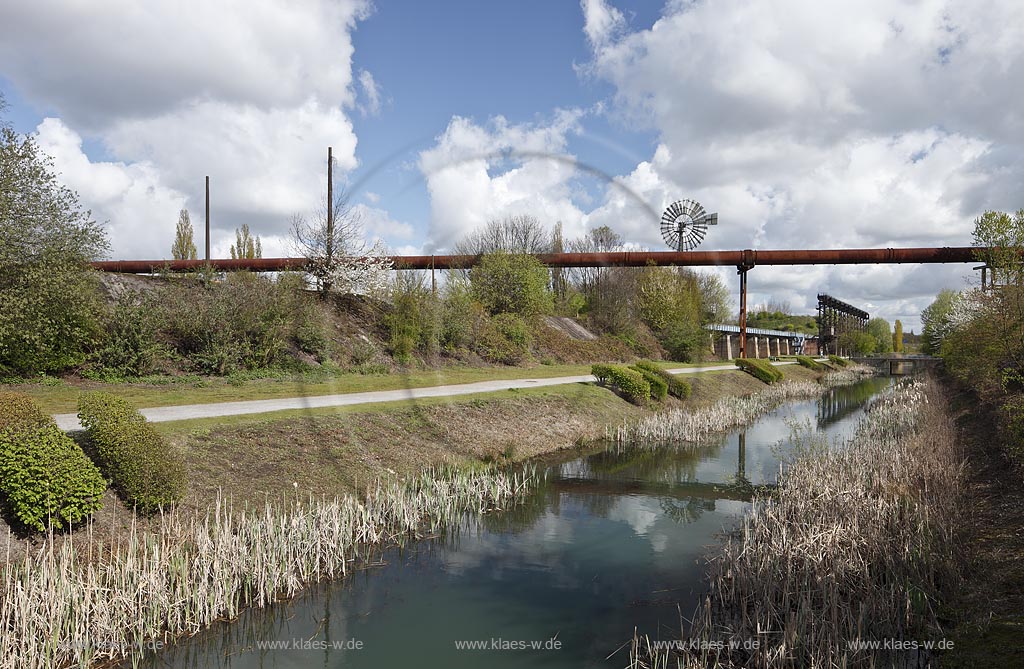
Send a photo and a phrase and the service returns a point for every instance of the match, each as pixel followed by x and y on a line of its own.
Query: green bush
pixel 810 363
pixel 49 298
pixel 413 320
pixel 602 372
pixel 842 362
pixel 630 383
pixel 144 469
pixel 515 329
pixel 44 475
pixel 511 283
pixel 659 387
pixel 245 322
pixel 459 315
pixel 676 387
pixel 493 346
pixel 760 369
pixel 129 347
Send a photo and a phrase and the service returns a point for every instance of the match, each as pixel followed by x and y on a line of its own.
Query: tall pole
pixel 742 269
pixel 330 205
pixel 207 219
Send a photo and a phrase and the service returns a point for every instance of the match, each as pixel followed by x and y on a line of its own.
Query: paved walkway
pixel 69 421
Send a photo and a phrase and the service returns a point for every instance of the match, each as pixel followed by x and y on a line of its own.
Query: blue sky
pixel 804 124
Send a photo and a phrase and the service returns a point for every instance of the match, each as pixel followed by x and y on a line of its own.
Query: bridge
pixel 767 343
pixel 900 365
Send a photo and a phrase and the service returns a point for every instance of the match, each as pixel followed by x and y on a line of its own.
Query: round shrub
pixel 659 388
pixel 143 468
pixel 630 383
pixel 44 475
pixel 602 372
pixel 810 363
pixel 760 369
pixel 676 386
pixel 841 362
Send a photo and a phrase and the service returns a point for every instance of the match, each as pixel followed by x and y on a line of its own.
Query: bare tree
pixel 335 247
pixel 512 234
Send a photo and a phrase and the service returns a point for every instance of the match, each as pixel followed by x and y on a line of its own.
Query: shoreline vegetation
pixel 92 600
pixel 860 542
pixel 129 588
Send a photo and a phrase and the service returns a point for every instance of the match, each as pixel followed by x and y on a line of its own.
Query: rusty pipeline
pixel 745 258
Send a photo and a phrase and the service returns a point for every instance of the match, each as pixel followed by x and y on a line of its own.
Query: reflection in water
pixel 839 403
pixel 610 542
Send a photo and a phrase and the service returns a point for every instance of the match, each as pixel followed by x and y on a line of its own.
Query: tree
pixel 668 301
pixel 936 321
pixel 879 329
pixel 513 283
pixel 49 302
pixel 338 257
pixel 512 234
pixel 897 337
pixel 184 246
pixel 608 291
pixel 246 246
pixel 857 342
pixel 1002 237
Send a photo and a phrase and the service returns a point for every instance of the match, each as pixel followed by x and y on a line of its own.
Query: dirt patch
pixel 989 617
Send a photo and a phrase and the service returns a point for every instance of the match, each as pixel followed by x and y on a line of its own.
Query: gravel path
pixel 69 421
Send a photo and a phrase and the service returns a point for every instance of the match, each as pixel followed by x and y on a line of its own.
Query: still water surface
pixel 608 543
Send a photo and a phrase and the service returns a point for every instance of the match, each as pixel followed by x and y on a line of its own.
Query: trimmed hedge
pixel 146 472
pixel 677 387
pixel 760 369
pixel 659 388
pixel 810 363
pixel 45 477
pixel 842 362
pixel 630 383
pixel 602 372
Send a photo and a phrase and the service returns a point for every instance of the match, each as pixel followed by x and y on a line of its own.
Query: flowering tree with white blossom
pixel 339 259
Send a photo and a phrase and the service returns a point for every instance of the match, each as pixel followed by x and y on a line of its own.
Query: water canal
pixel 611 541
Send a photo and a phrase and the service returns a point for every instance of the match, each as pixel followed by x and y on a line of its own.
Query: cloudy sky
pixel 804 124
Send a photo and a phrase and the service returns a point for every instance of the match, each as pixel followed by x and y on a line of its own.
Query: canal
pixel 611 542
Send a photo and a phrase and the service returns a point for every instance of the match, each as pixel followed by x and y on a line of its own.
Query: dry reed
pixel 685 425
pixel 89 601
pixel 858 544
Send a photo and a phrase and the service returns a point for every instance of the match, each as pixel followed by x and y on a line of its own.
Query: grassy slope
pixel 63 397
pixel 330 450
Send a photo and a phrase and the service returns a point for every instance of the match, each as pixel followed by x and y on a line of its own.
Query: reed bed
pixel 857 544
pixel 848 376
pixel 88 601
pixel 686 425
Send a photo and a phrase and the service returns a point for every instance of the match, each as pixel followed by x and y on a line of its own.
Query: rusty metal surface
pixel 748 257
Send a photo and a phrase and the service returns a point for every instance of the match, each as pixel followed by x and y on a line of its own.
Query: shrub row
pixel 842 362
pixel 760 369
pixel 630 382
pixel 142 467
pixel 810 363
pixel 659 387
pixel 44 475
pixel 677 387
